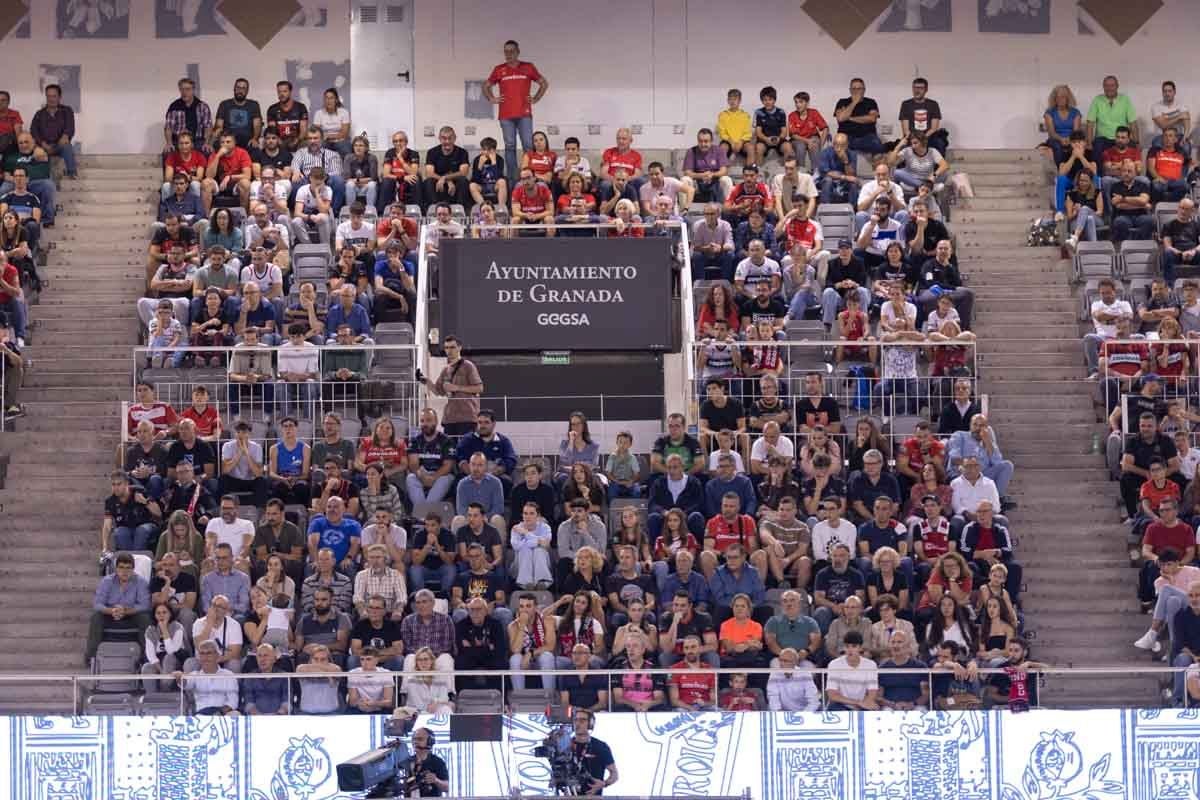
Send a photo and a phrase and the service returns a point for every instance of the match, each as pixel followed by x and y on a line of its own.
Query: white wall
pixel 126 84
pixel 661 63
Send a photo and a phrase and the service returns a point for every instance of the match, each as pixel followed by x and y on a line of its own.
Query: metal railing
pixel 387 384
pixel 1184 387
pixel 82 685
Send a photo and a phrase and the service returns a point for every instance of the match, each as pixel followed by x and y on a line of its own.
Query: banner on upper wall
pixel 965 755
pixel 557 294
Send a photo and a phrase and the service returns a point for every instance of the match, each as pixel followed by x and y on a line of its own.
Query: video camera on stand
pixel 567 775
pixel 385 771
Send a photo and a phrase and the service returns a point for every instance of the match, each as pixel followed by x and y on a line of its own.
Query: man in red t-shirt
pixel 692 687
pixel 184 158
pixel 148 407
pixel 229 172
pixel 1167 166
pixel 396 227
pixel 1168 532
pixel 731 527
pixel 532 204
pixel 918 450
pixel 514 79
pixel 748 194
pixel 623 156
pixel 1122 362
pixel 807 129
pixel 1112 158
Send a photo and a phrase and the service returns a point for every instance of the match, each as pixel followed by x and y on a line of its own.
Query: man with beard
pixel 240 116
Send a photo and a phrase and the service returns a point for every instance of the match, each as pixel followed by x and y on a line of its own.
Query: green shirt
pixel 792 634
pixel 1110 116
pixel 34 169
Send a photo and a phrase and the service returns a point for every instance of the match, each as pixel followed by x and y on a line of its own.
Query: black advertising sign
pixel 560 294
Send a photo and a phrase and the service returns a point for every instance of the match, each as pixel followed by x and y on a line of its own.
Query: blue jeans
pixel 1138 226
pixel 1085 225
pixel 707 267
pixel 15 309
pixel 395 663
pixel 1182 661
pixel 366 193
pixel 1062 185
pixel 511 129
pixel 831 303
pixel 1170 191
pixel 616 490
pixel 909 178
pixel 828 185
pixel 1170 261
pixel 298 398
pixel 134 538
pixel 869 143
pixel 1001 473
pixel 67 153
pixel 824 618
pixel 418 575
pixel 437 493
pixel 801 302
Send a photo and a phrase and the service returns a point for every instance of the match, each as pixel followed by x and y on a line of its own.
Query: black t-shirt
pixel 446 163
pixel 182 583
pixel 935 231
pixel 128 514
pixel 431 453
pixel 472 585
pixel 904 271
pixel 410 156
pixel 1183 235
pixel 837 586
pixel 929 111
pixel 1119 189
pixel 835 487
pixel 1138 404
pixel 583 691
pixel 760 408
pixel 421 536
pixel 380 638
pixel 823 413
pixel 726 418
pixel 855 271
pixel 629 589
pixel 1144 452
pixel 239 119
pixel 574 583
pixel 934 273
pixel 899 583
pixel 156 459
pixel 281 159
pixel 697 626
pixel 773 310
pixel 287 122
pixel 861 109
pixel 488 538
pixel 435 766
pixel 200 456
pixel 1078 165
pixel 163 238
pixel 595 756
pixel 1079 199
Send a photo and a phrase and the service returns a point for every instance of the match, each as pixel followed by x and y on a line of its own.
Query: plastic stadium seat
pixel 1164 213
pixel 837 222
pixel 162 704
pixel 478 701
pixel 109 705
pixel 412 210
pixel 1139 265
pixel 904 426
pixel 1093 262
pixel 116 658
pixel 532 701
pixel 351 428
pixel 444 509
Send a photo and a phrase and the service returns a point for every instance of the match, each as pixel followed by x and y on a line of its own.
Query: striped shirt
pixel 388 584
pixel 340 585
pixel 304 160
pixel 437 634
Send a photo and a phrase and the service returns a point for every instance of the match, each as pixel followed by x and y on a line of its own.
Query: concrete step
pixel 53 394
pixel 1015 157
pixel 134 188
pixel 997 236
pixel 992 347
pixel 82 379
pixel 1019 399
pixel 1022 187
pixel 1032 207
pixel 1006 179
pixel 72 293
pixel 50 417
pixel 121 214
pixel 1011 329
pixel 103 161
pixel 987 302
pixel 76 306
pixel 1007 252
pixel 1008 420
pixel 985 315
pixel 116 364
pixel 967 218
pixel 74 323
pixel 998 360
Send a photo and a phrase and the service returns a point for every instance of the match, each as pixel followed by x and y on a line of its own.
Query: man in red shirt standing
pixel 515 78
pixel 229 171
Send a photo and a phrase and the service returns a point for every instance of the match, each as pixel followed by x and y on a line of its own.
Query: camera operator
pixel 591 753
pixel 431 777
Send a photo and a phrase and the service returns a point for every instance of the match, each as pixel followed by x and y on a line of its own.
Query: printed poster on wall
pixel 916 15
pixel 310 79
pixel 92 19
pixel 1014 16
pixel 69 77
pixel 183 19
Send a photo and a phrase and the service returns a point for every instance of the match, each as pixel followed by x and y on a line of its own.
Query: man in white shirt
pixel 881 187
pixel 223 631
pixel 968 490
pixel 771 443
pixel 231 530
pixel 213 688
pixel 298 363
pixel 853 680
pixel 383 531
pixel 793 690
pixel 756 268
pixel 1171 114
pixel 833 530
pixel 876 232
pixel 370 686
pixel 1189 457
pixel 1105 312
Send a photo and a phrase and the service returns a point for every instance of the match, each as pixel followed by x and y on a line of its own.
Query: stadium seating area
pixel 835 495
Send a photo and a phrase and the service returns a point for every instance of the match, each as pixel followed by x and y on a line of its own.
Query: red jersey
pixel 758 194
pixel 542 164
pixel 635 230
pixel 1115 155
pixel 564 202
pixel 206 421
pixel 695 685
pixel 10 119
pixel 160 414
pixel 807 126
pixel 513 85
pixel 853 327
pixel 802 231
pixel 537 201
pixel 630 161
pixel 762 356
pixel 1155 495
pixel 1179 537
pixel 738 700
pixel 1175 353
pixel 935 540
pixel 193 162
pixel 390 455
pixel 384 226
pixel 1169 163
pixel 233 164
pixel 946 359
pixel 724 533
pixel 12 276
pixel 916 458
pixel 1124 358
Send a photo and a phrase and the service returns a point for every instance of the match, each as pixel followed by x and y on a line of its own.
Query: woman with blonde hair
pixel 426 690
pixel 1060 119
pixel 626 223
pixel 181 538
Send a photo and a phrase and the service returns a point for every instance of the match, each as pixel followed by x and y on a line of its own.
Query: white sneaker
pixel 1149 641
pixel 1072 241
pixel 1058 216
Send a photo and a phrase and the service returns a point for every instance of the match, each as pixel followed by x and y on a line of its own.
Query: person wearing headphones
pixel 593 755
pixel 429 772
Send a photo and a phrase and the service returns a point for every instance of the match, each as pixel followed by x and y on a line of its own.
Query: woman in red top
pixel 575 188
pixel 930 484
pixel 950 578
pixel 674 537
pixel 383 447
pixel 718 305
pixel 1169 354
pixel 626 224
pixel 540 160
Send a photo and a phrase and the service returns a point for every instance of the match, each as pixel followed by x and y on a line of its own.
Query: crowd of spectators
pixel 769 537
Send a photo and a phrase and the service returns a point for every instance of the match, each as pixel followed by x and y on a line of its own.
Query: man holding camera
pixel 428 770
pixel 592 754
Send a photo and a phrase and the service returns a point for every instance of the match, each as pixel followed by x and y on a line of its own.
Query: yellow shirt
pixel 733 126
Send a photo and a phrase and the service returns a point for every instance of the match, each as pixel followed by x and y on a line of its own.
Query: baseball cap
pixel 844 243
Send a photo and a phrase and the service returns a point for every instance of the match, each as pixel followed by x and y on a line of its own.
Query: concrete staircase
pixel 62 451
pixel 1080 605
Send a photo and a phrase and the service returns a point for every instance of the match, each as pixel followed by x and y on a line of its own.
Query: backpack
pixel 1044 233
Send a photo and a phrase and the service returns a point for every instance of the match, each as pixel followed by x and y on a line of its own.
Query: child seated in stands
pixel 738 697
pixel 205 416
pixel 622 469
pixel 950 359
pixel 854 327
pixel 166 333
pixel 279 623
